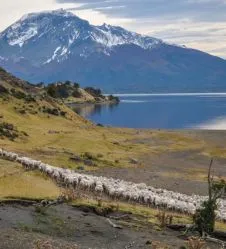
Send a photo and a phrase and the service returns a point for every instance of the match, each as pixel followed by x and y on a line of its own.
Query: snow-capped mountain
pixel 63 31
pixel 57 45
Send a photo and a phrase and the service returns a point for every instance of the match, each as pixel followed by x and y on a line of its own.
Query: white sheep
pixel 119 189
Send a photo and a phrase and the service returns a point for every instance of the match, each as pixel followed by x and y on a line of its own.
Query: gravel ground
pixel 21 227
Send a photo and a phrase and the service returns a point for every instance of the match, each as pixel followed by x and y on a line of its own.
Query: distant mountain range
pixel 57 45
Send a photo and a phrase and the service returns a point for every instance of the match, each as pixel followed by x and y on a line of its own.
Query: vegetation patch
pixel 8 130
pixel 17 183
pixel 63 90
pixel 3 90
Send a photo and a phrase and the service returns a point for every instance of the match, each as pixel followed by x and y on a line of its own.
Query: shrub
pixel 52 111
pixel 196 243
pixel 94 92
pixel 3 90
pixel 41 210
pixel 89 156
pixel 164 219
pixel 30 98
pixel 51 91
pixel 76 85
pixel 113 98
pixel 76 94
pixel 62 113
pixel 205 217
pixel 22 111
pixel 18 94
pixel 8 130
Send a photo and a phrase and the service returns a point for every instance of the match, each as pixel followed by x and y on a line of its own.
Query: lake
pixel 163 111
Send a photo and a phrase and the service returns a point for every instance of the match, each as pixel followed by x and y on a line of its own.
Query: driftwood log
pixel 180 227
pixel 113 225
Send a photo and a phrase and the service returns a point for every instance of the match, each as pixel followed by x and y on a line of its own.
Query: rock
pixel 148 242
pixel 81 168
pixel 53 132
pixel 134 161
pixel 88 162
pixel 116 143
pixel 76 158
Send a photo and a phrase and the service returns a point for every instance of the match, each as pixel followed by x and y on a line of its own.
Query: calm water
pixel 168 111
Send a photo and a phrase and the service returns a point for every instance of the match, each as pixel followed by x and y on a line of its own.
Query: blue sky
pixel 198 24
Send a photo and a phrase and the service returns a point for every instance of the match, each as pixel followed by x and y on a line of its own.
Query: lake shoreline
pixel 164 111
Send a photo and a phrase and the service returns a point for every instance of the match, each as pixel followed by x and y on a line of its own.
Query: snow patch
pixel 54 56
pixel 111 36
pixel 21 38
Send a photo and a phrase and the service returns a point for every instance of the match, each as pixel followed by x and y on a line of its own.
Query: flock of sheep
pixel 118 189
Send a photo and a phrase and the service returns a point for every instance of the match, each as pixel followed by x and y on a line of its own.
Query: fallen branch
pixel 179 227
pixel 220 235
pixel 214 240
pixel 114 225
pixel 119 217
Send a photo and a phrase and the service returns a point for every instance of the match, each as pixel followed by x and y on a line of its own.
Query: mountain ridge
pixel 108 57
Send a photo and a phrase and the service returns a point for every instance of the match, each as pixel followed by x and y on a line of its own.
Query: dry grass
pixel 16 183
pixel 196 243
pixel 149 214
pixel 76 136
pixel 164 219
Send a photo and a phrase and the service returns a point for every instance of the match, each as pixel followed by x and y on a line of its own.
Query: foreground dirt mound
pixel 65 226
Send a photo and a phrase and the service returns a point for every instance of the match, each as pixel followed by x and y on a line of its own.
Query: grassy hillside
pixel 16 183
pixel 44 128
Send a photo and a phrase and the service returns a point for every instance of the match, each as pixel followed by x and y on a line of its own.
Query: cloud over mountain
pixel 176 20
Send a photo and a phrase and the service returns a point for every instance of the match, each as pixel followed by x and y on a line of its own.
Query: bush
pixel 3 90
pixel 76 94
pixel 94 92
pixel 205 217
pixel 30 98
pixel 76 85
pixel 18 94
pixel 52 111
pixel 62 113
pixel 63 90
pixel 113 98
pixel 196 243
pixel 8 130
pixel 89 156
pixel 51 91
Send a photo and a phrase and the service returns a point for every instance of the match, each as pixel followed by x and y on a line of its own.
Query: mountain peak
pixel 57 12
pixel 62 32
pixel 57 45
pixel 33 26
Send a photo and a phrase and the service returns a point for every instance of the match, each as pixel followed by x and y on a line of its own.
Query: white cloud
pixel 12 10
pixel 206 36
pixel 97 18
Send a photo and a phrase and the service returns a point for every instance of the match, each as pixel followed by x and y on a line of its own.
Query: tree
pixel 51 90
pixel 67 83
pixel 205 217
pixel 95 92
pixel 76 85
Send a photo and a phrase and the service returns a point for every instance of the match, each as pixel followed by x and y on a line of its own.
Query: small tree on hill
pixel 205 217
pixel 51 90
